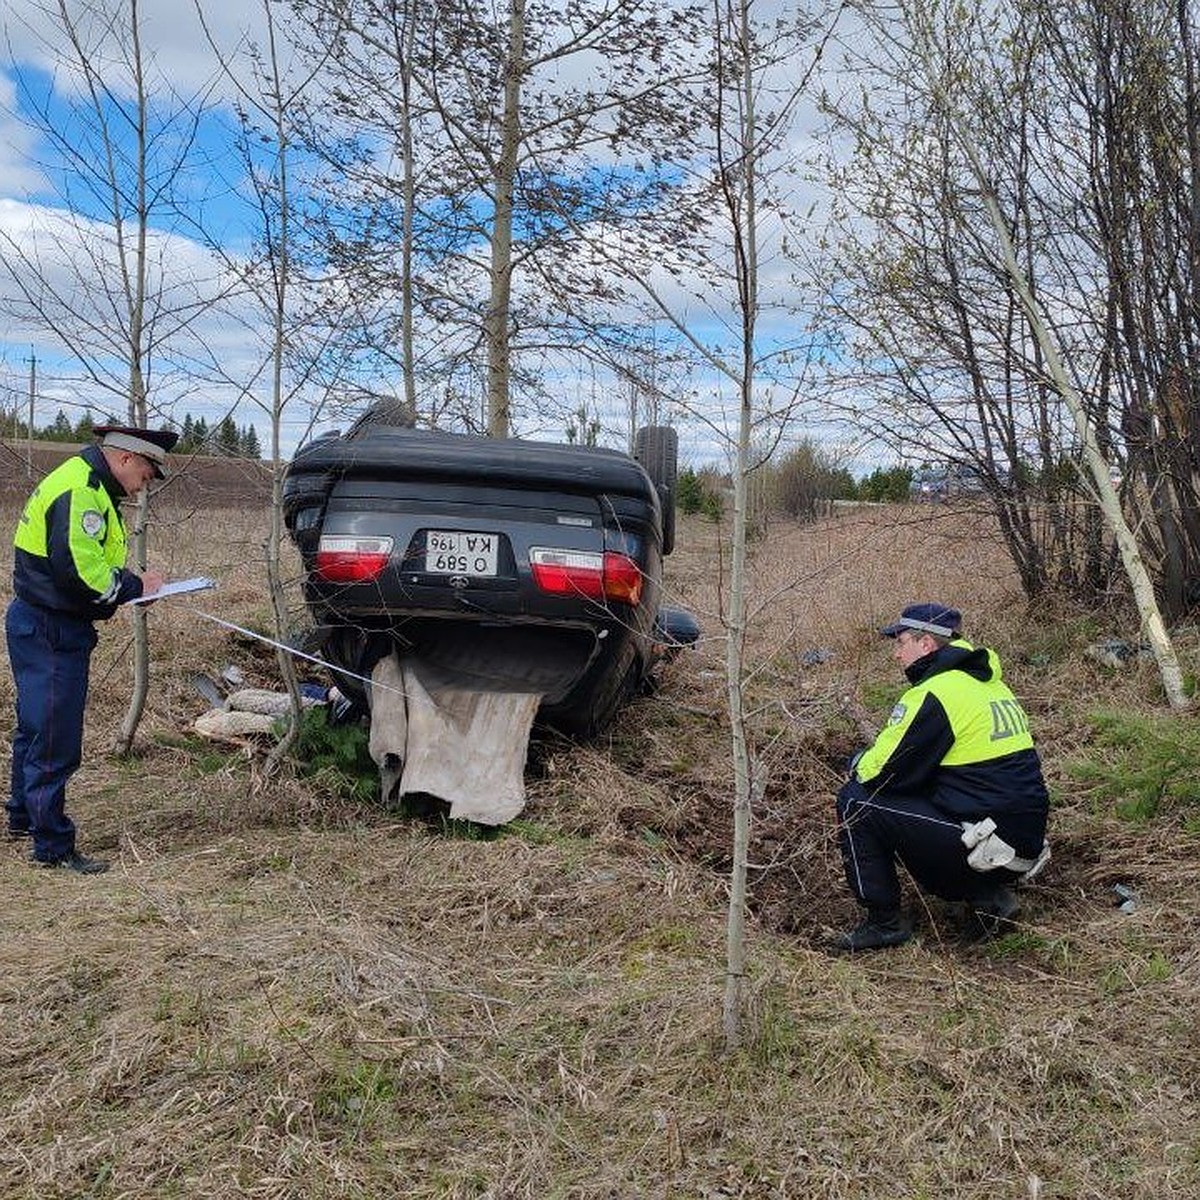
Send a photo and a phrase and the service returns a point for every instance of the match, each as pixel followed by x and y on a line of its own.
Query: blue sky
pixel 33 211
pixel 49 211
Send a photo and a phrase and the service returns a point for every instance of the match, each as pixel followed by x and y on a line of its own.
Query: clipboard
pixel 177 587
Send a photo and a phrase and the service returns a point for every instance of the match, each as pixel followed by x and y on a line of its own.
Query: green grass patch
pixel 1144 764
pixel 1136 973
pixel 210 761
pixel 536 833
pixel 1045 644
pixel 203 757
pixel 879 696
pixel 338 754
pixel 356 1095
pixel 1017 944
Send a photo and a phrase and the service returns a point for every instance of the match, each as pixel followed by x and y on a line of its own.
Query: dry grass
pixel 277 993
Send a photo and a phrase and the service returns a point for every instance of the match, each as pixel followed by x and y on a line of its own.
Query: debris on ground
pixel 1125 898
pixel 1117 653
pixel 250 711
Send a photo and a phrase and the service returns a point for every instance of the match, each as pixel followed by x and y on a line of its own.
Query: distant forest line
pixel 226 439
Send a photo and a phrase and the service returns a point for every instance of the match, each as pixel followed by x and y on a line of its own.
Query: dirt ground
pixel 197 481
pixel 813 662
pixel 283 989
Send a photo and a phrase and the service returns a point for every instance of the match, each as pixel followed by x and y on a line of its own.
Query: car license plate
pixel 459 553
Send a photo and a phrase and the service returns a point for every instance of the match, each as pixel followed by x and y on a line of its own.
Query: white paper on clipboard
pixel 178 587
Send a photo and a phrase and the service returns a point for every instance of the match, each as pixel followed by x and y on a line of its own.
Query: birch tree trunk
pixel 272 101
pixel 280 266
pixel 1110 504
pixel 133 275
pixel 738 182
pixel 405 42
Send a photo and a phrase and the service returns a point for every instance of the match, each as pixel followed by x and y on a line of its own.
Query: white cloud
pixel 179 53
pixel 173 39
pixel 18 174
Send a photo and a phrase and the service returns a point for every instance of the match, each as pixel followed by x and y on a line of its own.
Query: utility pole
pixel 32 394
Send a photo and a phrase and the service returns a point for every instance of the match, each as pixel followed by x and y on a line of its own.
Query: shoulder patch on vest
pixel 92 522
pixel 897 715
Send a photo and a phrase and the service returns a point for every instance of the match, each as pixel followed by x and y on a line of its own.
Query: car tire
pixel 357 651
pixel 586 714
pixel 656 448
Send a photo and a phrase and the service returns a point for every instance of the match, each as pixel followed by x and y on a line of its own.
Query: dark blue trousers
pixel 874 834
pixel 49 654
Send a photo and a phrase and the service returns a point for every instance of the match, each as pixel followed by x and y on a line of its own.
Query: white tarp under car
pixel 465 747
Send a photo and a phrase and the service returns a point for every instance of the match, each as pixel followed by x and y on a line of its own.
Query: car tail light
pixel 352 559
pixel 622 578
pixel 608 576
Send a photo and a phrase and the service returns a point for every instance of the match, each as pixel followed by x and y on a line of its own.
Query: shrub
pixel 1146 764
pixel 807 480
pixel 689 495
pixel 713 506
pixel 699 492
pixel 339 752
pixel 886 484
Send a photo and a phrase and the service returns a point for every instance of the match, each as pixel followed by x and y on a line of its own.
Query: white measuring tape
pixel 312 658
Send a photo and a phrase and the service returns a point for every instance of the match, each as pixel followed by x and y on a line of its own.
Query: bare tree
pixel 940 83
pixel 1081 115
pixel 996 281
pixel 1132 76
pixel 371 227
pixel 926 313
pixel 100 283
pixel 519 123
pixel 737 156
pixel 739 166
pixel 270 103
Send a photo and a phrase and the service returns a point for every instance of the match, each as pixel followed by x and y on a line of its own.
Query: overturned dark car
pixel 500 564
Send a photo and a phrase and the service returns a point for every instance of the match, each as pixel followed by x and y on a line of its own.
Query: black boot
pixel 992 913
pixel 73 861
pixel 883 928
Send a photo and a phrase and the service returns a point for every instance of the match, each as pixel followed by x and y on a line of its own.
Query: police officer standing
pixel 68 572
pixel 952 787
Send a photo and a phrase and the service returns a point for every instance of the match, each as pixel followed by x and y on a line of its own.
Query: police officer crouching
pixel 952 788
pixel 69 572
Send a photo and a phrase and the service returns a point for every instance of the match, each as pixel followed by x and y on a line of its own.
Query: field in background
pixel 197 481
pixel 281 992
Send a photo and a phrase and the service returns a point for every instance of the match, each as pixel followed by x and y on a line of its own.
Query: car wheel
pixel 587 713
pixel 355 650
pixel 656 448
